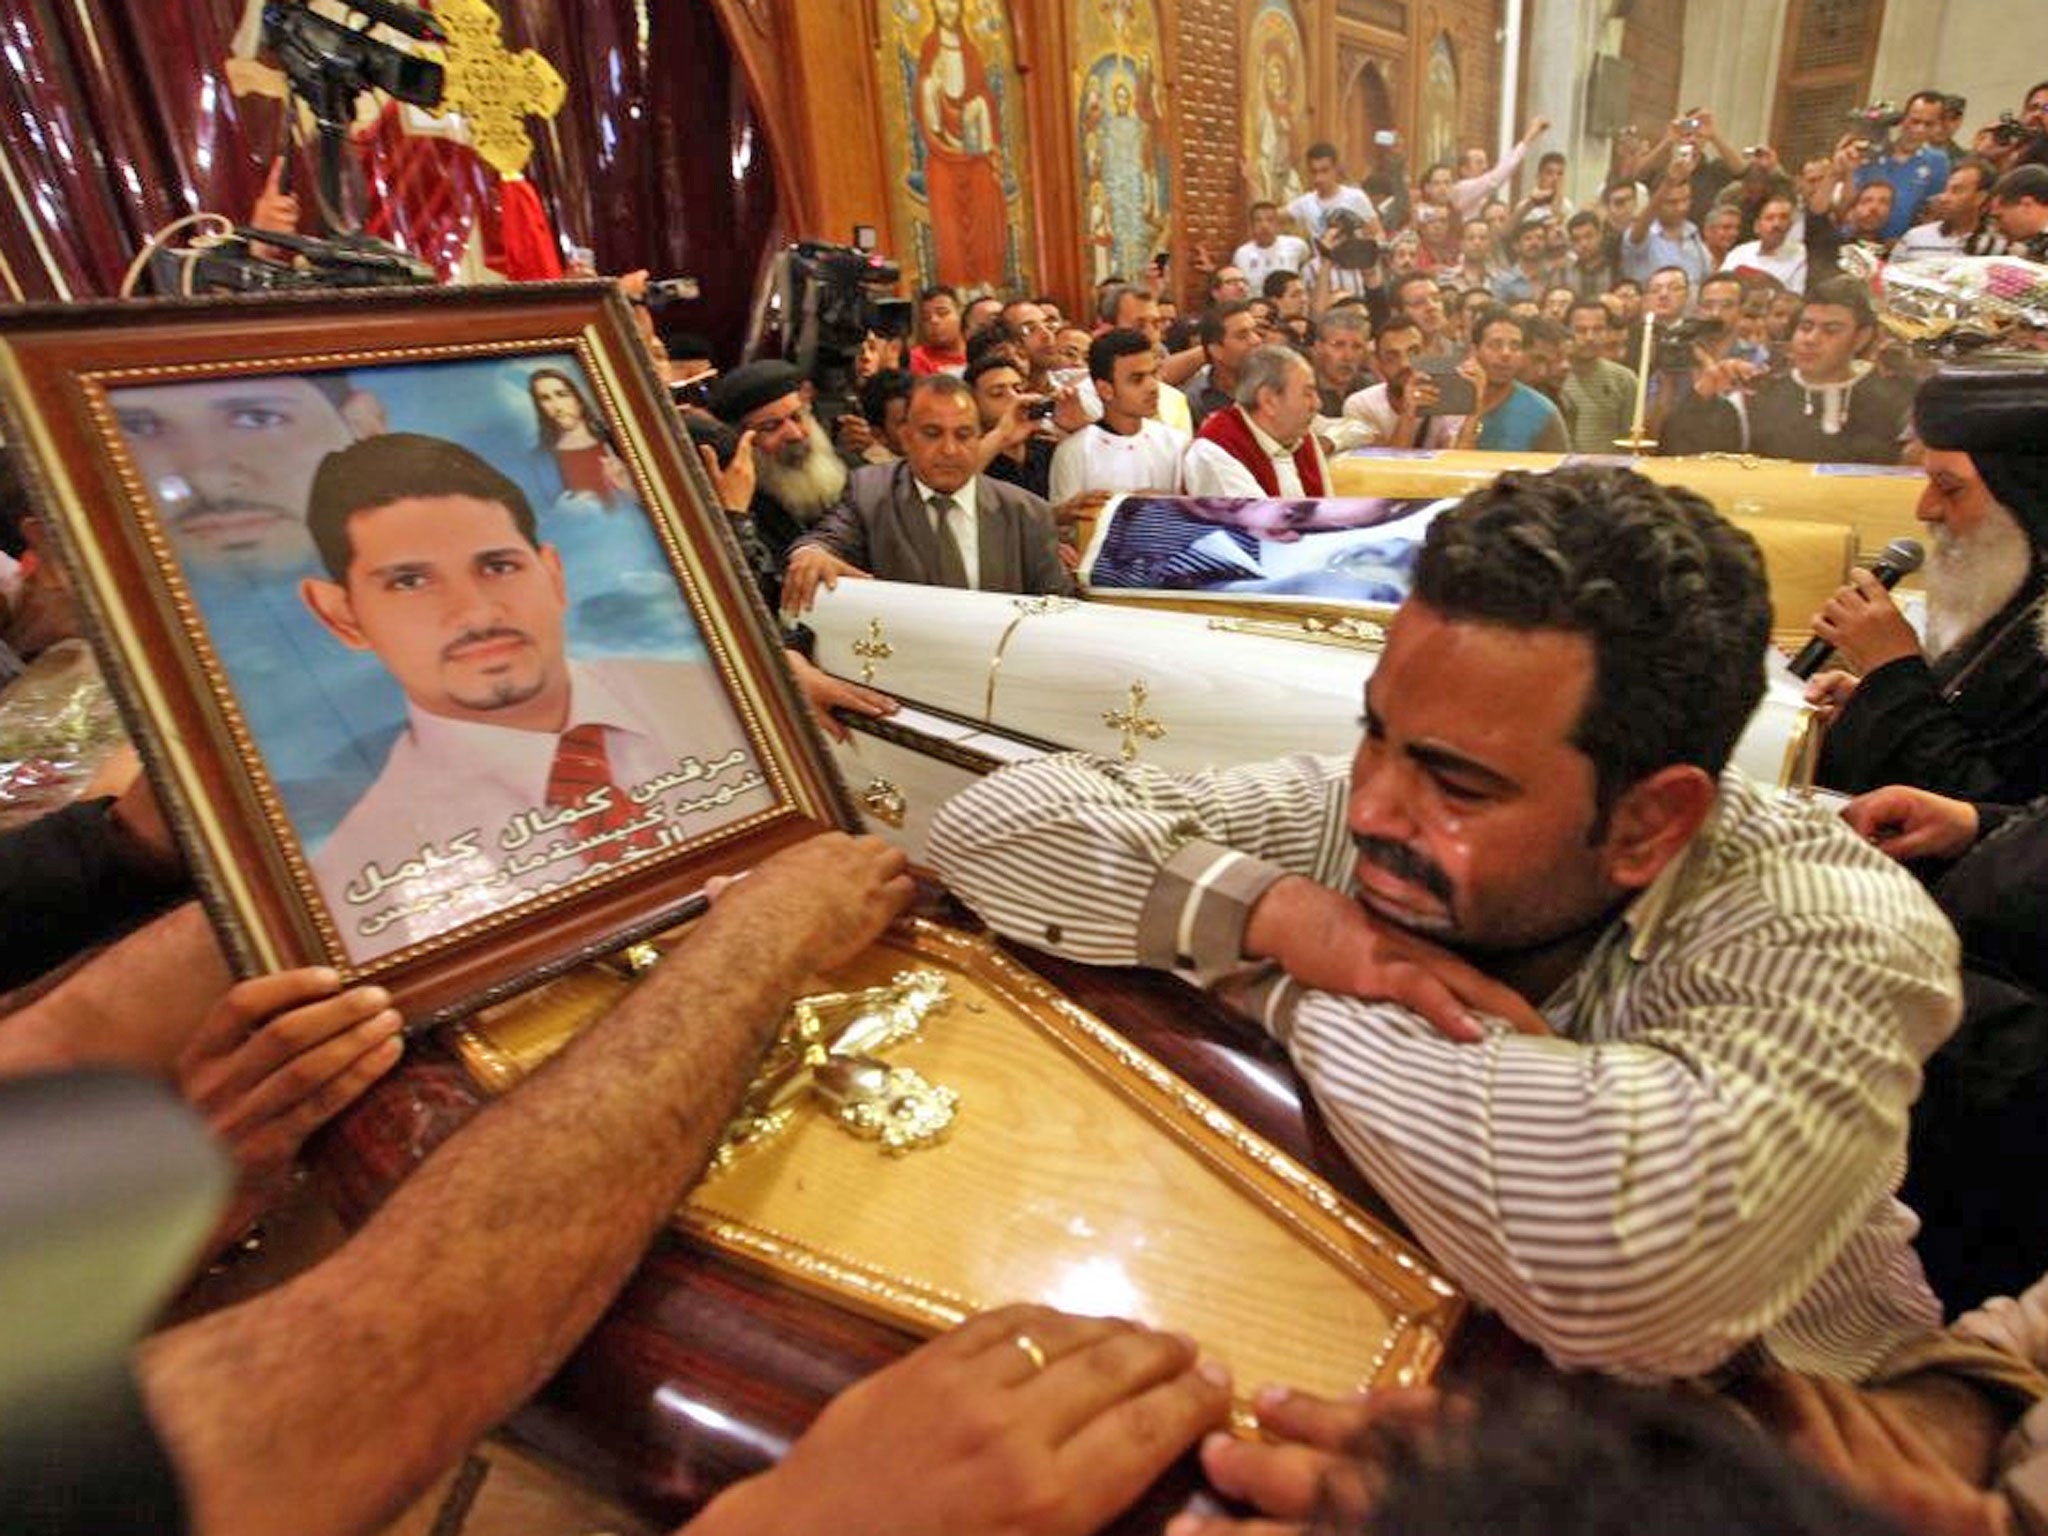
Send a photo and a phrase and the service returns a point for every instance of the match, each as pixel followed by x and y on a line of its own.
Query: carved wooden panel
pixel 1211 183
pixel 1388 15
pixel 1653 42
pixel 1830 49
pixel 1470 27
pixel 1370 99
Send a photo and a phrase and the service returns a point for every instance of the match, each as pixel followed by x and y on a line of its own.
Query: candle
pixel 1635 441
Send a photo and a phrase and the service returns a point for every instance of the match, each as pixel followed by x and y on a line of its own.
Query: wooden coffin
pixel 1068 1167
pixel 719 1351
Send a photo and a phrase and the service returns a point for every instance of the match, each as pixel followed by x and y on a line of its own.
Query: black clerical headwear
pixel 750 386
pixel 1996 411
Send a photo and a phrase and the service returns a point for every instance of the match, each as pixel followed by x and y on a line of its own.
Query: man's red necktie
pixel 581 765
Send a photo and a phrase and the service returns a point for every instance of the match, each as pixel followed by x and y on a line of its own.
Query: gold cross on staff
pixel 829 1050
pixel 493 88
pixel 1133 722
pixel 871 649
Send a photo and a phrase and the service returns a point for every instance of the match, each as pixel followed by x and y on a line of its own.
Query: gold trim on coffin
pixel 1388 1314
pixel 1350 633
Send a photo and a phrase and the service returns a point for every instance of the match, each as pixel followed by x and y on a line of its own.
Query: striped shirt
pixel 1700 1164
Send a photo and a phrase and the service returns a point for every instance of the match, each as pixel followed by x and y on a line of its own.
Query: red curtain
pixel 116 117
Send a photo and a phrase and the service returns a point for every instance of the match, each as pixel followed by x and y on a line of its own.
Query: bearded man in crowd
pixel 798 475
pixel 1966 713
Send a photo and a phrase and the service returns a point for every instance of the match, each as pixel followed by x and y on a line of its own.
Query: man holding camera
pixel 1911 166
pixel 1829 407
pixel 1692 150
pixel 1328 195
pixel 1398 406
pixel 1019 454
pixel 1342 227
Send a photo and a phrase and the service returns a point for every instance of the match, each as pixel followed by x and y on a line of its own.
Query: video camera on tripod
pixel 819 304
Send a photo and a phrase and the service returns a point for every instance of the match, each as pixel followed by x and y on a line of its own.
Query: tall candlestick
pixel 1636 442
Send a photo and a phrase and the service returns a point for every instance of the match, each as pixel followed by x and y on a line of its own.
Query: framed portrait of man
pixel 439 652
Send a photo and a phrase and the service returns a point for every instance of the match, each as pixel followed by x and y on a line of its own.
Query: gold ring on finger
pixel 1033 1351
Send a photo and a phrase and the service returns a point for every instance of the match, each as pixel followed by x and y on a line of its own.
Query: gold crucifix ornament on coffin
pixel 830 1049
pixel 1132 721
pixel 872 649
pixel 494 89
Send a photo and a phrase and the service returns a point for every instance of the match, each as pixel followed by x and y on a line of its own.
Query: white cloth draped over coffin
pixel 986 679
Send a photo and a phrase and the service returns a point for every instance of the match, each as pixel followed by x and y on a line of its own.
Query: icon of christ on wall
pixel 958 118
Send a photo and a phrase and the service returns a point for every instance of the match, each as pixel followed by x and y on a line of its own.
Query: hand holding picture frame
pixel 439 654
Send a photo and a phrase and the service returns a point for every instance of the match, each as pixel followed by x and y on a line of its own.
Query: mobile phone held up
pixel 1455 395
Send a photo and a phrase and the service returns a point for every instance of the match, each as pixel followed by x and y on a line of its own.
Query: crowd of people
pixel 1698 304
pixel 1631 1045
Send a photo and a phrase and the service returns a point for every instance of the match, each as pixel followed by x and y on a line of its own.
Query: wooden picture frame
pixel 346 734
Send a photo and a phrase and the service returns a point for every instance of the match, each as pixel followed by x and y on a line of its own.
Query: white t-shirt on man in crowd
pixel 1311 211
pixel 1097 459
pixel 1287 253
pixel 1787 263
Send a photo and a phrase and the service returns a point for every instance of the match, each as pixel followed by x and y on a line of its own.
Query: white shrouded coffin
pixel 986 679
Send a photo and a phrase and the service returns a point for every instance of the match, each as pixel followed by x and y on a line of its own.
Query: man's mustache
pixel 469 637
pixel 1404 864
pixel 197 507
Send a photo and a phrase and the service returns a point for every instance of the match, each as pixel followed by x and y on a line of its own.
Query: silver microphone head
pixel 1901 555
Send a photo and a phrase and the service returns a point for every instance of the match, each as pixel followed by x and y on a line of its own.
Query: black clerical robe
pixel 1980 1129
pixel 1973 725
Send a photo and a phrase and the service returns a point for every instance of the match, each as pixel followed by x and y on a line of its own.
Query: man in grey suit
pixel 932 518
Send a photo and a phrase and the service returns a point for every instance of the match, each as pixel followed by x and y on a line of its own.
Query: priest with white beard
pixel 1965 715
pixel 798 474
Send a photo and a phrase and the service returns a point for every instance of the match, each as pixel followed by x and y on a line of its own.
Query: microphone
pixel 1901 558
pixel 409 19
